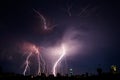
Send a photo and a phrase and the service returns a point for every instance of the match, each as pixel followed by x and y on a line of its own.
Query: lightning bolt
pixel 60 58
pixel 43 19
pixel 27 64
pixel 45 27
pixel 39 69
pixel 43 64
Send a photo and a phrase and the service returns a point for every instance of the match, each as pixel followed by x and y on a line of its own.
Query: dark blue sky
pixel 97 22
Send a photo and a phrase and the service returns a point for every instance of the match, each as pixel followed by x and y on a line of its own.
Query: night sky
pixel 96 22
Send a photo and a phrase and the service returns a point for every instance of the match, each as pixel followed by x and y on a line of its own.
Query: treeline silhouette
pixel 100 76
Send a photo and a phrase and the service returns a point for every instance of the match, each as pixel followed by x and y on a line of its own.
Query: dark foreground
pixel 105 76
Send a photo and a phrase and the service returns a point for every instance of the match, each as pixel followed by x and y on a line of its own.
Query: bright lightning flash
pixel 27 63
pixel 31 49
pixel 70 44
pixel 63 52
